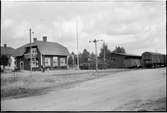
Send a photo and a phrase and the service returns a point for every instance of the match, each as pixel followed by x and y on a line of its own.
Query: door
pixel 21 65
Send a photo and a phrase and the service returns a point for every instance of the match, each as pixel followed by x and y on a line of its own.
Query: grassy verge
pixel 23 85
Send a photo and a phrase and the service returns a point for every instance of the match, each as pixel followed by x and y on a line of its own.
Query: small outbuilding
pixel 44 54
pixel 123 60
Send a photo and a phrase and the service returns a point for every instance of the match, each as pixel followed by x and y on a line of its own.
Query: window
pixel 33 59
pixel 55 61
pixel 34 63
pixel 47 61
pixel 34 50
pixel 62 62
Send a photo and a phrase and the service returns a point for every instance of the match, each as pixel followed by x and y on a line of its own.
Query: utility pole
pixel 73 59
pixel 77 45
pixel 104 51
pixel 95 41
pixel 30 52
pixel 104 54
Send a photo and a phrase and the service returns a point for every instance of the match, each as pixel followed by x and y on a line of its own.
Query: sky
pixel 138 26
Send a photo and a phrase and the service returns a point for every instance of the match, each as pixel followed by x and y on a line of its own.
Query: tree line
pixel 86 57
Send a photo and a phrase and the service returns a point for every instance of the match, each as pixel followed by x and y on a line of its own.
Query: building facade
pixel 121 60
pixel 43 54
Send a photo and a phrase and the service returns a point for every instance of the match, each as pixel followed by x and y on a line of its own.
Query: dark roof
pixel 126 55
pixel 9 51
pixel 46 48
pixel 152 53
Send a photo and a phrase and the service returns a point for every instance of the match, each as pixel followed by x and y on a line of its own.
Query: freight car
pixel 150 59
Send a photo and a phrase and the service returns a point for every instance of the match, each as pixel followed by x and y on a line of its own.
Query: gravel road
pixel 106 93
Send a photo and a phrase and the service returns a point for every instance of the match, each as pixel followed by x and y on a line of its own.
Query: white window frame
pixel 34 62
pixel 47 61
pixel 55 61
pixel 63 62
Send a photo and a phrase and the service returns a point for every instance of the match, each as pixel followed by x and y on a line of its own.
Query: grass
pixel 19 86
pixel 153 105
pixel 158 104
pixel 23 84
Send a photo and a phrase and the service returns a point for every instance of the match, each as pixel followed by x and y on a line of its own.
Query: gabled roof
pixel 46 48
pixel 126 55
pixel 9 51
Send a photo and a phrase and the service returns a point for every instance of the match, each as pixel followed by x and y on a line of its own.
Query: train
pixel 153 60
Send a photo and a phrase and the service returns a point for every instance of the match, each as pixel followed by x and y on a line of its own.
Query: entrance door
pixel 21 65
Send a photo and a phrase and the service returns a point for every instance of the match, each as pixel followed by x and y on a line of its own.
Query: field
pixel 114 89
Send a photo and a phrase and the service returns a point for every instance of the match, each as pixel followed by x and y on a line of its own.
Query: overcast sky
pixel 136 26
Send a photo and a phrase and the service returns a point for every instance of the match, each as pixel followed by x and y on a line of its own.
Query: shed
pixel 123 60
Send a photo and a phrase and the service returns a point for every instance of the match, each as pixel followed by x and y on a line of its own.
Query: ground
pixel 118 90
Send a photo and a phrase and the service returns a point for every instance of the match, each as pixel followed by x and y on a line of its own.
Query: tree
pixel 72 59
pixel 104 52
pixel 4 60
pixel 119 50
pixel 92 57
pixel 84 56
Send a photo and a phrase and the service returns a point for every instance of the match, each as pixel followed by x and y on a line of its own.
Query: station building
pixel 50 55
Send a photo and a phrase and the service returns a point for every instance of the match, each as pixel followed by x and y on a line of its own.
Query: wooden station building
pixel 45 54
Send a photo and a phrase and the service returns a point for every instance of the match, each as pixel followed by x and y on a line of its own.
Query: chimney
pixel 5 45
pixel 35 39
pixel 44 38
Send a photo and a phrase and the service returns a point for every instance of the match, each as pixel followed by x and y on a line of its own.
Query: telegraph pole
pixel 30 52
pixel 104 51
pixel 77 45
pixel 95 41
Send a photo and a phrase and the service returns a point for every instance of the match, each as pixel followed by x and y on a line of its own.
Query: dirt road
pixel 106 93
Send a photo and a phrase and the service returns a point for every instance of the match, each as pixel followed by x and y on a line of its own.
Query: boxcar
pixel 150 59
